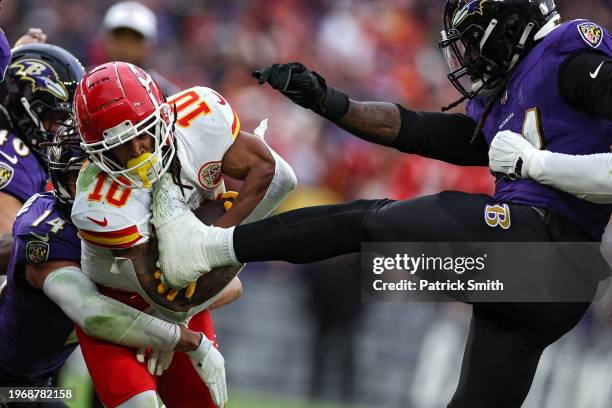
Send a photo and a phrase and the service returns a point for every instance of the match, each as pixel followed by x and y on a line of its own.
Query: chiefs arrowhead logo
pixel 209 175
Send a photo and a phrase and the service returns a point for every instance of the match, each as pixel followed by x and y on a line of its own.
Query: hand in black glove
pixel 305 88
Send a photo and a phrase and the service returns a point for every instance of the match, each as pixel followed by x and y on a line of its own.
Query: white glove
pixel 509 155
pixel 158 362
pixel 210 366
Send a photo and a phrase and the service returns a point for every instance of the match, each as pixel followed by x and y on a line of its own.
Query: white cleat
pixel 187 247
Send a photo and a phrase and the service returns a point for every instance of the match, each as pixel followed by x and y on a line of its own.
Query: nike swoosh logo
pixel 594 74
pixel 12 159
pixel 43 238
pixel 102 223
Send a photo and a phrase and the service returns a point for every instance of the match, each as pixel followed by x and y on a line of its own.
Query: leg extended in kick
pixel 316 233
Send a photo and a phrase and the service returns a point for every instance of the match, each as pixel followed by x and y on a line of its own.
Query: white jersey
pixel 110 216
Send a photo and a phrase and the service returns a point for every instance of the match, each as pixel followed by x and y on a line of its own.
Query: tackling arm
pixel 231 293
pixel 587 177
pixel 113 321
pixel 585 81
pixel 103 317
pixel 438 136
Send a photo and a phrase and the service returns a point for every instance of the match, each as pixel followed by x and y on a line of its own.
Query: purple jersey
pixel 533 104
pixel 5 54
pixel 21 174
pixel 36 334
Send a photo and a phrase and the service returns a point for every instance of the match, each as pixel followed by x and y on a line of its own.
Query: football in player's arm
pixel 46 290
pixel 136 140
pixel 209 144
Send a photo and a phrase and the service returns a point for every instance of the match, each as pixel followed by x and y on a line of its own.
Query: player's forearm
pixel 189 340
pixel 587 177
pixel 441 136
pixel 376 122
pixel 6 247
pixel 229 294
pixel 254 188
pixel 106 318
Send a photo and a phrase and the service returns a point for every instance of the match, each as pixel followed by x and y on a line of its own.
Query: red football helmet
pixel 114 103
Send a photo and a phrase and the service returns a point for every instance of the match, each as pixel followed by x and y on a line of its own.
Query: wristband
pixel 334 104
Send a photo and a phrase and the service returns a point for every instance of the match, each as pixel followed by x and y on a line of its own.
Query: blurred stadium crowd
pixel 372 49
pixel 376 50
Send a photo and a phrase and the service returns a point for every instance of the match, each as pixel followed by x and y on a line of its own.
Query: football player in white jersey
pixel 134 138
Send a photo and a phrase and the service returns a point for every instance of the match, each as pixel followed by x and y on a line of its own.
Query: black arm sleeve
pixel 585 82
pixel 441 136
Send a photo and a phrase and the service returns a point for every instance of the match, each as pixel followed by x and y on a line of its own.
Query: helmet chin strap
pixel 479 87
pixel 487 33
pixel 520 47
pixel 547 28
pixel 32 115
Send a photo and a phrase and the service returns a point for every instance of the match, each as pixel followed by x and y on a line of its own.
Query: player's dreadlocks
pixel 175 164
pixel 454 104
pixel 490 104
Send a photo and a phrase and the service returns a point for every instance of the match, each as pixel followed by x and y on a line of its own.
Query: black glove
pixel 305 88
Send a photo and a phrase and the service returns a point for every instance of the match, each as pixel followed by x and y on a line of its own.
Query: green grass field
pixel 237 400
pixel 74 376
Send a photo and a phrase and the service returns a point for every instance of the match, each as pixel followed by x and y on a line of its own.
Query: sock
pixel 220 249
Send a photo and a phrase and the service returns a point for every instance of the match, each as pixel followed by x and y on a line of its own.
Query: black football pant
pixel 505 340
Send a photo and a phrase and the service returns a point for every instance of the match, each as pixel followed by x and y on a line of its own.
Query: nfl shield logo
pixel 209 175
pixel 37 252
pixel 591 33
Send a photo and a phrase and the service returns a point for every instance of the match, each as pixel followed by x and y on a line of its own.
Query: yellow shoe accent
pixel 172 294
pixel 190 290
pixel 162 288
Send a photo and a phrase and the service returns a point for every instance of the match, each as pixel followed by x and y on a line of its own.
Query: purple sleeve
pixel 40 238
pixel 21 174
pixel 584 35
pixel 5 54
